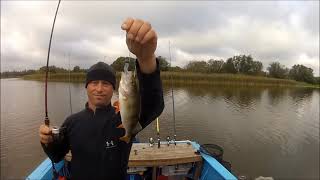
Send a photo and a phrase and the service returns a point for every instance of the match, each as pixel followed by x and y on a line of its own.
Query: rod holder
pixel 168 140
pixel 159 142
pixel 151 142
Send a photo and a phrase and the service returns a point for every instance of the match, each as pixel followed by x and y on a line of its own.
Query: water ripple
pixel 263 131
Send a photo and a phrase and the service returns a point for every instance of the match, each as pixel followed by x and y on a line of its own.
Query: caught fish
pixel 129 104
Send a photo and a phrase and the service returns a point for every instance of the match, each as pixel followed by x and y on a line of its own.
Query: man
pixel 93 135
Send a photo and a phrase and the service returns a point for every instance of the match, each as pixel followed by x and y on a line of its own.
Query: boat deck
pixel 144 155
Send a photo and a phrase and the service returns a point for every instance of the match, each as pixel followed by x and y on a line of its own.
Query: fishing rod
pixel 70 102
pixel 158 132
pixel 55 131
pixel 47 121
pixel 173 110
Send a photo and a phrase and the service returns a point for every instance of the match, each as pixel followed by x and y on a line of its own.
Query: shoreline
pixel 188 78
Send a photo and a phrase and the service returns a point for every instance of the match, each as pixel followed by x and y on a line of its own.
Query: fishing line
pixel 129 54
pixel 129 58
pixel 172 97
pixel 46 120
pixel 70 102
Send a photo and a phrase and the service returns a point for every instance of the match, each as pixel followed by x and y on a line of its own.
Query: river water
pixel 264 131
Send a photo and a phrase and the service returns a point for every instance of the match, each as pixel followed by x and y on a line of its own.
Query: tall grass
pixel 60 77
pixel 224 79
pixel 185 78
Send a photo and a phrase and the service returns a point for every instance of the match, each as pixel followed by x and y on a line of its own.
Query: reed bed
pixel 224 79
pixel 58 77
pixel 187 78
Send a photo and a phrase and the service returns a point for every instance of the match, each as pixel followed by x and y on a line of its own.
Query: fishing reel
pixel 57 133
pixel 151 142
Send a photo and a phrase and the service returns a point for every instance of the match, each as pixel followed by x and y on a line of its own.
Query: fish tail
pixel 125 138
pixel 137 128
pixel 120 126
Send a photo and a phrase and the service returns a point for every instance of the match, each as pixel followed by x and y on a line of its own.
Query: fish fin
pixel 116 105
pixel 125 139
pixel 123 93
pixel 120 126
pixel 137 128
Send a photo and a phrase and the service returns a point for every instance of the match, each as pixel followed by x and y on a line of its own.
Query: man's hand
pixel 45 134
pixel 141 41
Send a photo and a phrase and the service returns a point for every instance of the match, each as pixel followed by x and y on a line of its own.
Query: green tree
pixel 175 69
pixel 52 69
pixel 197 66
pixel 12 74
pixel 301 73
pixel 118 64
pixel 215 66
pixel 317 80
pixel 229 66
pixel 277 70
pixel 76 69
pixel 163 63
pixel 246 63
pixel 256 68
pixel 237 62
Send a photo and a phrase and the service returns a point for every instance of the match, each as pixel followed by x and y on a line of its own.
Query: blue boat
pixel 211 169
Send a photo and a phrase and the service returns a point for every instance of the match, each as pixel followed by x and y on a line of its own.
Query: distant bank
pixel 188 79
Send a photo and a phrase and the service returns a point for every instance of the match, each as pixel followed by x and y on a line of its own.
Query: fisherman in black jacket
pixel 93 134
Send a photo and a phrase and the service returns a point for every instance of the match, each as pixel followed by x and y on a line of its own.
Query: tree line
pixel 52 69
pixel 240 64
pixel 245 64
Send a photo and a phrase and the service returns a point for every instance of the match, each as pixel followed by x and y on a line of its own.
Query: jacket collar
pixel 102 108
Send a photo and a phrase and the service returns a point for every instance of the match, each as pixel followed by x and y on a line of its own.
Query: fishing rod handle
pixel 47 121
pixel 55 130
pixel 55 133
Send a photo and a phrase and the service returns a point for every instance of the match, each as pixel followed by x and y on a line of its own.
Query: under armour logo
pixel 110 144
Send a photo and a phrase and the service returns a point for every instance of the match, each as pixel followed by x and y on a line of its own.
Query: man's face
pixel 99 92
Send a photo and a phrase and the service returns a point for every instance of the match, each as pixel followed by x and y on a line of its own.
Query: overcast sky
pixel 287 32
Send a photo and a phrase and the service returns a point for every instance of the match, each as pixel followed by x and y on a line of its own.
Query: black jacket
pixel 93 138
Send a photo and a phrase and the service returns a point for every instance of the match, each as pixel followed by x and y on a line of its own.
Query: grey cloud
pixel 196 28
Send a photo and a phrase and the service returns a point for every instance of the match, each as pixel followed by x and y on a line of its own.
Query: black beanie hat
pixel 101 71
